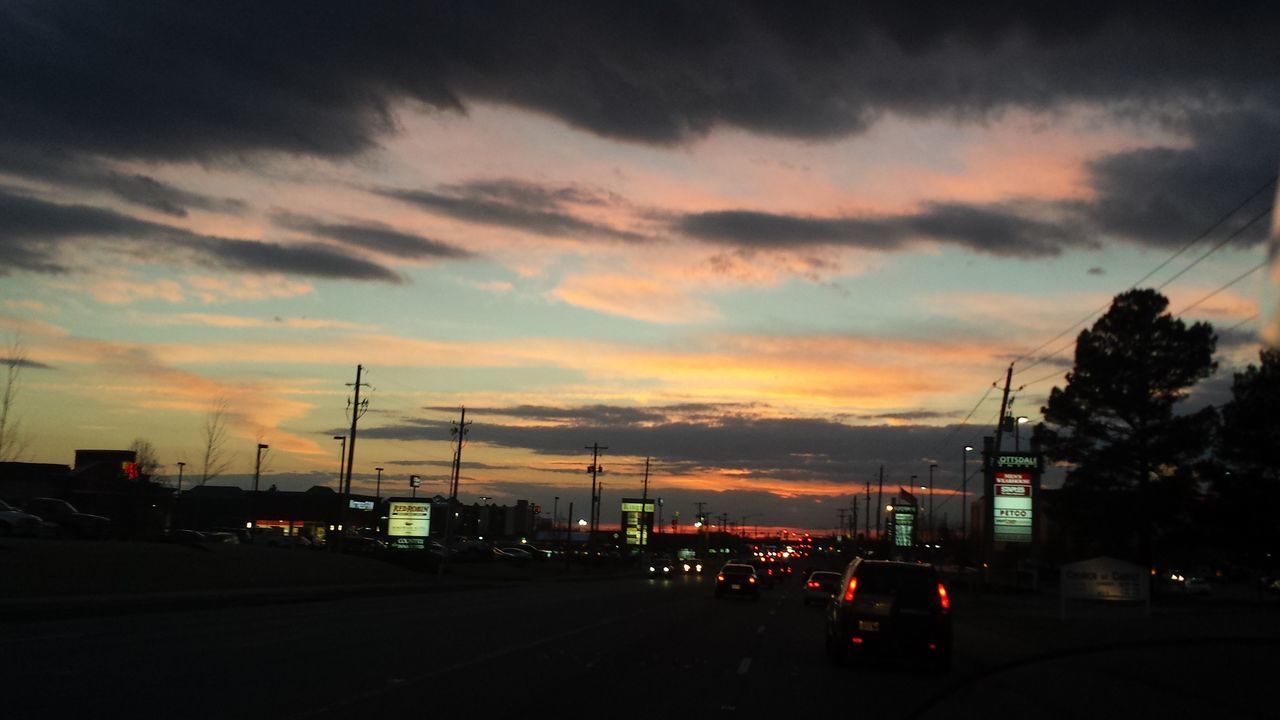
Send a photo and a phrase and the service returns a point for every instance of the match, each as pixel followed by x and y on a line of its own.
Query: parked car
pixel 65 521
pixel 820 587
pixel 890 609
pixel 738 579
pixel 15 523
pixel 534 553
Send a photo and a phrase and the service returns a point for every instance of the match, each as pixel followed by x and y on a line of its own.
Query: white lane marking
pixel 744 666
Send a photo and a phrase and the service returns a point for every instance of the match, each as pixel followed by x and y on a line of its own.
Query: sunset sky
pixel 771 246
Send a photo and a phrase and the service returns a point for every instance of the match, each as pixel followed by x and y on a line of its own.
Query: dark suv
pixel 890 609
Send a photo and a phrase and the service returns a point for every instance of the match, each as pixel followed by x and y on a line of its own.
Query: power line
pixel 1238 278
pixel 1216 224
pixel 1044 358
pixel 1216 248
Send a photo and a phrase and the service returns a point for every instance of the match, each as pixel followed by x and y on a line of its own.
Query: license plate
pixel 869 625
pixel 736 587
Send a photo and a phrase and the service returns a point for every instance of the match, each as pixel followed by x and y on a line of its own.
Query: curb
pixel 76 606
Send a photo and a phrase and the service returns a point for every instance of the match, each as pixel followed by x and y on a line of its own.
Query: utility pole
pixel 988 480
pixel 594 469
pixel 643 515
pixel 879 503
pixel 358 409
pixel 867 520
pixel 853 518
pixel 459 431
pixel 841 512
pixel 933 537
pixel 377 492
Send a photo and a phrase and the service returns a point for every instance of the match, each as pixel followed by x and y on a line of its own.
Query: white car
pixel 15 523
pixel 820 586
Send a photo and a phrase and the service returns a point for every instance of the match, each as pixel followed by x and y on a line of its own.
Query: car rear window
pixel 737 570
pixel 913 586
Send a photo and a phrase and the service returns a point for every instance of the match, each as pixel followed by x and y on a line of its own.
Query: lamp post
pixel 555 515
pixel 257 466
pixel 964 498
pixel 377 492
pixel 342 458
pixel 414 482
pixel 1017 431
pixel 180 466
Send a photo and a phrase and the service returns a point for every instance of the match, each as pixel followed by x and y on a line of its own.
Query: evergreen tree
pixel 1130 454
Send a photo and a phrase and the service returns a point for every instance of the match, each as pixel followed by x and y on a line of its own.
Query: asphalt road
pixel 626 647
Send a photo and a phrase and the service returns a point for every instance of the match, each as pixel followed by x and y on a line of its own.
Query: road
pixel 626 647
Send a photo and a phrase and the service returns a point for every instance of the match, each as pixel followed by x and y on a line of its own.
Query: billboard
pixel 408 522
pixel 637 520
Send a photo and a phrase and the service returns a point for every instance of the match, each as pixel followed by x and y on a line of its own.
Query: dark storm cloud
pixel 788 449
pixel 37 236
pixel 1165 196
pixel 992 229
pixel 63 168
pixel 156 80
pixel 159 80
pixel 519 206
pixel 609 415
pixel 371 236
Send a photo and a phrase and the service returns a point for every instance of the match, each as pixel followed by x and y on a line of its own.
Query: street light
pixel 414 482
pixel 180 466
pixel 1017 431
pixel 377 492
pixel 342 458
pixel 257 466
pixel 964 497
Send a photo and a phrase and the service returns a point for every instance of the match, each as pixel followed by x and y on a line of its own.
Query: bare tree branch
pixel 215 440
pixel 12 442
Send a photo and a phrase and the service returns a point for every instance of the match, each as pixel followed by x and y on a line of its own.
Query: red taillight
pixel 848 592
pixel 719 578
pixel 856 640
pixel 943 600
pixel 811 585
pixel 751 579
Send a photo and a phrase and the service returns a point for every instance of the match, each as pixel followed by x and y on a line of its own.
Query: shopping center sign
pixel 1016 478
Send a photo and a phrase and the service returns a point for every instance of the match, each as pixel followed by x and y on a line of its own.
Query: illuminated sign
pixel 1031 462
pixel 1012 516
pixel 637 520
pixel 360 504
pixel 409 518
pixel 904 524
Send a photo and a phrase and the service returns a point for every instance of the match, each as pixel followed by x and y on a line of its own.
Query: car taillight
pixel 943 600
pixel 752 579
pixel 719 578
pixel 811 585
pixel 848 592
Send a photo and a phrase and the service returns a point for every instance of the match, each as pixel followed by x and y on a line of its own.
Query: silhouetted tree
pixel 147 459
pixel 1114 424
pixel 1250 439
pixel 12 441
pixel 1248 488
pixel 215 441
